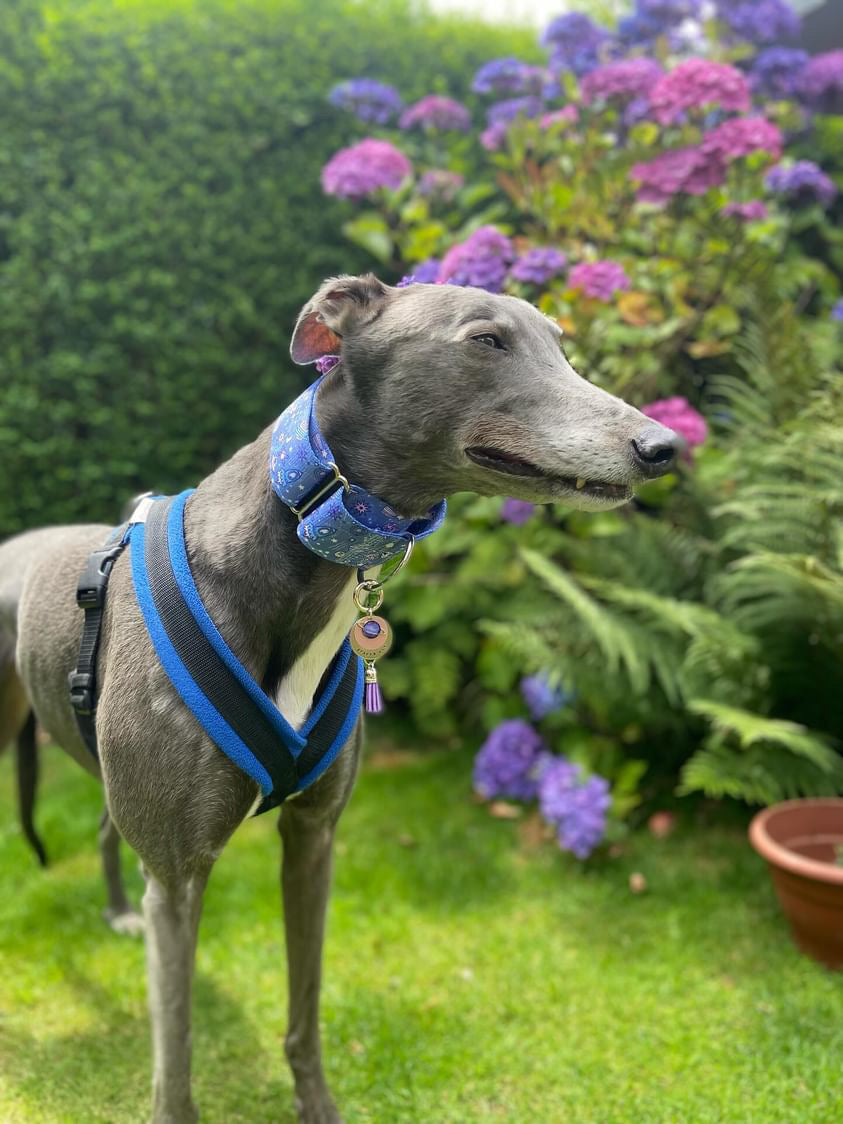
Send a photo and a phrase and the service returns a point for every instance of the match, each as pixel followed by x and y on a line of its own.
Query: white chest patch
pixel 294 696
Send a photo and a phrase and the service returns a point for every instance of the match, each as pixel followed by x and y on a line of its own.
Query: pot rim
pixel 781 856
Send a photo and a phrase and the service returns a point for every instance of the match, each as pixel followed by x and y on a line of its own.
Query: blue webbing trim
pixel 343 735
pixel 184 579
pixel 207 715
pixel 330 687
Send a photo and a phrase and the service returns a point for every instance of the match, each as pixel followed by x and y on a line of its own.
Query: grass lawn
pixel 471 974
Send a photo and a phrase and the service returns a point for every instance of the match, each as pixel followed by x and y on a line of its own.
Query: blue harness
pixel 337 520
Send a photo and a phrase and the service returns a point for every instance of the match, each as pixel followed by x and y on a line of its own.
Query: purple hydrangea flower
pixel 425 273
pixel 599 280
pixel 482 260
pixel 364 167
pixel 837 311
pixel 777 71
pixel 759 21
pixel 574 41
pixel 507 763
pixel 505 112
pixel 695 84
pixel 678 414
pixel 740 136
pixel 802 182
pixel 626 78
pixel 517 511
pixel 753 211
pixel 440 184
pixel 574 806
pixel 821 82
pixel 687 170
pixel 367 99
pixel 538 265
pixel 326 363
pixel 542 698
pixel 435 112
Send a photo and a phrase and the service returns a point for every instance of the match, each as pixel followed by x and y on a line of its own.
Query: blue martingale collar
pixel 337 520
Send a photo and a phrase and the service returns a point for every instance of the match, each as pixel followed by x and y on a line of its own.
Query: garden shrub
pixel 161 225
pixel 653 188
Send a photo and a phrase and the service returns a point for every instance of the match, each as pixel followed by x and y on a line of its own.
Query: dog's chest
pixel 294 696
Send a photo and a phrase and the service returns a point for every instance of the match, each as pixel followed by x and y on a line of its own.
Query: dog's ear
pixel 340 305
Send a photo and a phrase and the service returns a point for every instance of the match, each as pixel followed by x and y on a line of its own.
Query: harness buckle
pixel 81 684
pixel 337 478
pixel 90 590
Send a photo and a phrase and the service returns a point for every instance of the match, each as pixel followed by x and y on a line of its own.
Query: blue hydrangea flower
pixel 538 265
pixel 508 762
pixel 574 806
pixel 503 112
pixel 801 182
pixel 482 260
pixel 367 99
pixel 517 512
pixel 509 76
pixel 777 71
pixel 759 21
pixel 425 273
pixel 574 41
pixel 541 698
pixel 837 311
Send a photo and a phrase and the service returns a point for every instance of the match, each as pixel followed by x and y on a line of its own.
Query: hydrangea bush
pixel 656 187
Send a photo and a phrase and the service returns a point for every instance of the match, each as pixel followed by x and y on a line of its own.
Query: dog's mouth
pixel 509 464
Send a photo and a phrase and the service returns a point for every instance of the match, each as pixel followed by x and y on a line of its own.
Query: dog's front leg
pixel 171 914
pixel 307 829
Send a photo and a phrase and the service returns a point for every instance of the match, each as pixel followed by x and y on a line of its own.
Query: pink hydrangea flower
pixel 741 136
pixel 753 211
pixel 440 184
pixel 493 137
pixel 695 84
pixel 599 280
pixel 481 261
pixel 627 78
pixel 678 414
pixel 436 112
pixel 568 115
pixel 364 167
pixel 688 170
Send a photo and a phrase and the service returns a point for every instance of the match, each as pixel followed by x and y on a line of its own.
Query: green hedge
pixel 161 223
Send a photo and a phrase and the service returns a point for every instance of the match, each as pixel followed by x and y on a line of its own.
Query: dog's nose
pixel 654 449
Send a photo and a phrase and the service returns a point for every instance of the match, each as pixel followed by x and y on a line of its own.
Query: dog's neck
pixel 267 593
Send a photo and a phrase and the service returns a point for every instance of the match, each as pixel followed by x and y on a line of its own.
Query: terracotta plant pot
pixel 801 841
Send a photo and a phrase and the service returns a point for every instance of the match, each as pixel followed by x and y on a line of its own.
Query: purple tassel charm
pixel 373 697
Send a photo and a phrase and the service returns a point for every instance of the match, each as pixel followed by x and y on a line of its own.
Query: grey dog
pixel 440 389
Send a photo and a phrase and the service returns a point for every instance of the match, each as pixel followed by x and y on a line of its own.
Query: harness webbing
pixel 228 703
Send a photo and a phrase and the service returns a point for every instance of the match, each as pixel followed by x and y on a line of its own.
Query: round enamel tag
pixel 371 637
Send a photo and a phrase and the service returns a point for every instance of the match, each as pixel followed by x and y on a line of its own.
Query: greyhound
pixel 438 389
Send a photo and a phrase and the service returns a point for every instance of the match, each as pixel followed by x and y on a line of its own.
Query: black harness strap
pixel 90 596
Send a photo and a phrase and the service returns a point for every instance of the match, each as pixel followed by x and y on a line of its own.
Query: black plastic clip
pixel 90 590
pixel 81 685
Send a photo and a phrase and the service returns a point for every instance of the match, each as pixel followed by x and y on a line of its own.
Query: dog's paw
pixel 128 923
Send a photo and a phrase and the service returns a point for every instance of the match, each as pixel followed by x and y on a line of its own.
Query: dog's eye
pixel 489 339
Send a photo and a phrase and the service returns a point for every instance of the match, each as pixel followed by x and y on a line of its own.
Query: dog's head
pixel 444 389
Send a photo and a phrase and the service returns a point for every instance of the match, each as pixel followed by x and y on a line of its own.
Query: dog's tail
pixel 27 755
pixel 17 721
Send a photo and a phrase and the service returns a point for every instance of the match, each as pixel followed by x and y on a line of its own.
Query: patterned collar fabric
pixel 347 526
